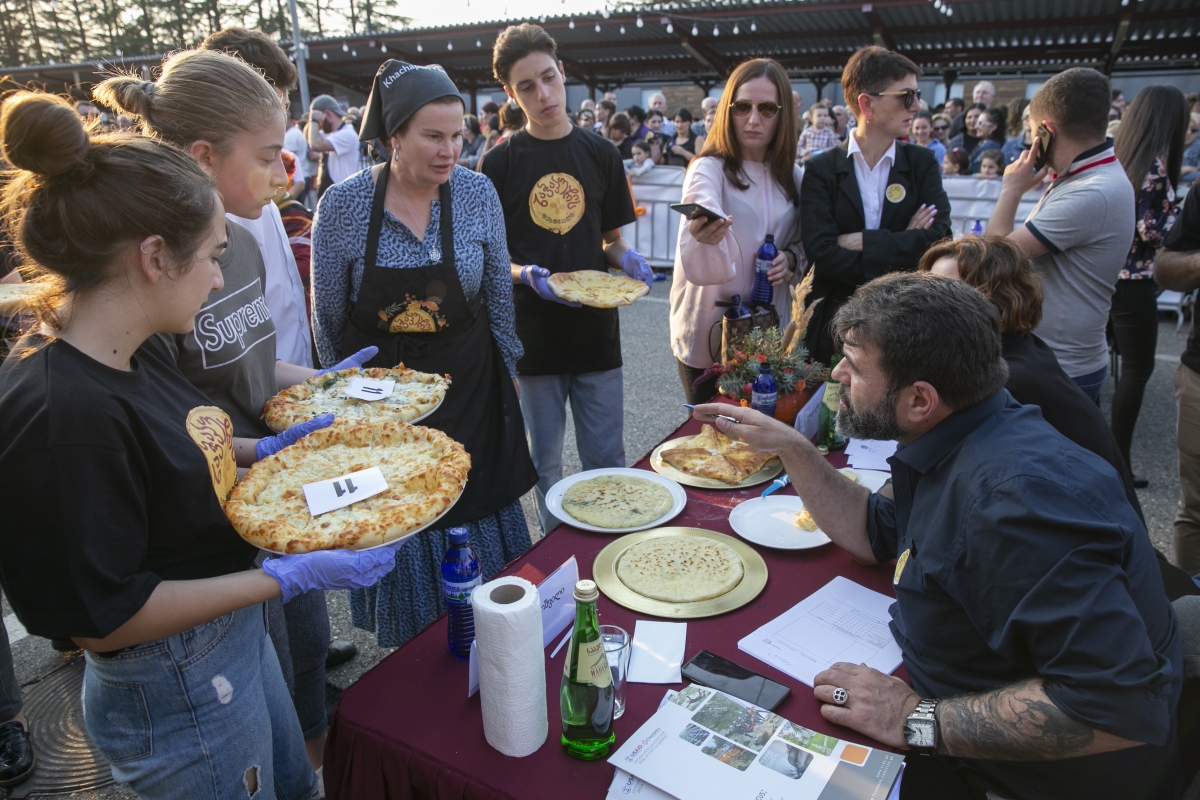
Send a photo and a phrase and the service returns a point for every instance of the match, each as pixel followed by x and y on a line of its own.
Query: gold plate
pixel 604 572
pixel 769 472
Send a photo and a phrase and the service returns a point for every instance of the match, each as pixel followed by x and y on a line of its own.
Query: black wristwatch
pixel 921 728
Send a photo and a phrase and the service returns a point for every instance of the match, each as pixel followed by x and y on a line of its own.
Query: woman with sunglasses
pixel 746 172
pixel 1149 145
pixel 875 204
pixel 990 129
pixel 941 128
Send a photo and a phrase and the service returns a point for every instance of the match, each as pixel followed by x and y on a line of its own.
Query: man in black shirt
pixel 1177 267
pixel 1044 657
pixel 565 201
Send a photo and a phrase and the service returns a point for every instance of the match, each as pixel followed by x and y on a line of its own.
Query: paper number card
pixel 367 389
pixel 335 493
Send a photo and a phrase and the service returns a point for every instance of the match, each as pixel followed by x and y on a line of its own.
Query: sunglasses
pixel 766 109
pixel 941 127
pixel 1193 129
pixel 909 96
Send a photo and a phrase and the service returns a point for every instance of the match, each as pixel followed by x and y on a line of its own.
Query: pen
pixel 690 407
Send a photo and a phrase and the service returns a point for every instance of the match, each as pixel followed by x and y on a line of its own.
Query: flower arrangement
pixel 790 366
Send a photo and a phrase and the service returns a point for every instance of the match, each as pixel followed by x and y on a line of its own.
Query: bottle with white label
pixel 586 695
pixel 461 574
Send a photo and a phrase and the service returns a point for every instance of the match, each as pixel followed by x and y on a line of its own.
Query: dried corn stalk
pixel 801 316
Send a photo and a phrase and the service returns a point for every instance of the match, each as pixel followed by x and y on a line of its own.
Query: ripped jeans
pixel 202 715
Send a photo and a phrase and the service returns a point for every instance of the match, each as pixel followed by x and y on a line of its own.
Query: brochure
pixel 704 744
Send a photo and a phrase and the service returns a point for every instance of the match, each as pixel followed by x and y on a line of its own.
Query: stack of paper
pixel 702 743
pixel 870 454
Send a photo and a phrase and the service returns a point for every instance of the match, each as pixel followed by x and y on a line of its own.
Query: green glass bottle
pixel 827 435
pixel 586 696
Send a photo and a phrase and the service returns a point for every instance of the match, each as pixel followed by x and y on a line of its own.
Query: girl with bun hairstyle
pixel 231 121
pixel 115 537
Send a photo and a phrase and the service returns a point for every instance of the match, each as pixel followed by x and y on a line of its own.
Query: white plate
pixel 393 542
pixel 771 521
pixel 554 498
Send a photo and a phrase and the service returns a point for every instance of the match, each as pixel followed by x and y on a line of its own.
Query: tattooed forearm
pixel 1017 723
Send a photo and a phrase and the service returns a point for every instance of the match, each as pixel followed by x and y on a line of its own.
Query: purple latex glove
pixel 535 278
pixel 636 267
pixel 353 362
pixel 330 569
pixel 270 445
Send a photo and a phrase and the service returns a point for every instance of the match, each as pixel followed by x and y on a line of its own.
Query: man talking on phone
pixel 1079 234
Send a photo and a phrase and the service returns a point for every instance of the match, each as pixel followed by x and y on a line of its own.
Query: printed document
pixel 842 621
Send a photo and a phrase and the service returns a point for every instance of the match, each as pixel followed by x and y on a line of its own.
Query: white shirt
pixel 294 143
pixel 284 292
pixel 872 183
pixel 342 160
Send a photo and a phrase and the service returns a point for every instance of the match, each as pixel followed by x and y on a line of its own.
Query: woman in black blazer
pixel 913 210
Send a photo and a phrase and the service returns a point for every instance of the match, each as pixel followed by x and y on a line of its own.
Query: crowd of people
pixel 1034 615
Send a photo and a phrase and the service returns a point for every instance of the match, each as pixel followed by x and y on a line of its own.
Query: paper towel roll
pixel 512 667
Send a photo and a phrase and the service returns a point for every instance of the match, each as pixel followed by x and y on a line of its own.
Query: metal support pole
pixel 298 53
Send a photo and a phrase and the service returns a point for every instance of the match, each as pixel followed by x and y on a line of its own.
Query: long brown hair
pixel 781 150
pixel 1001 271
pixel 1154 125
pixel 76 203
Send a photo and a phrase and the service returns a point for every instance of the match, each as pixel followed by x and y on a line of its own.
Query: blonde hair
pixel 200 95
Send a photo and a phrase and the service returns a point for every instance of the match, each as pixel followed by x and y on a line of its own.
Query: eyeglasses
pixel 909 96
pixel 941 127
pixel 1193 129
pixel 766 109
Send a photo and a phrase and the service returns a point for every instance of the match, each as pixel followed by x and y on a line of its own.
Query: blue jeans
pixel 1092 382
pixel 598 408
pixel 202 715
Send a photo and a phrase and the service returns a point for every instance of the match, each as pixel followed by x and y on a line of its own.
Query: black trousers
pixel 1134 318
pixel 688 376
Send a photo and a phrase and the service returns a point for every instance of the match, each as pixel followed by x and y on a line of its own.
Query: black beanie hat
pixel 398 92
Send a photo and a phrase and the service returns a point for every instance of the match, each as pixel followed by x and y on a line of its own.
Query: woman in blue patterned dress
pixel 432 290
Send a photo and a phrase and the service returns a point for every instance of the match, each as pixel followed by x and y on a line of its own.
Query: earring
pixel 142 249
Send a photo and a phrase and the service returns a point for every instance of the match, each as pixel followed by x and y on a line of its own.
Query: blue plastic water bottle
pixel 762 293
pixel 764 391
pixel 977 228
pixel 460 575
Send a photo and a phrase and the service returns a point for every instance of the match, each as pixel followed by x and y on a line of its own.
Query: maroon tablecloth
pixel 406 729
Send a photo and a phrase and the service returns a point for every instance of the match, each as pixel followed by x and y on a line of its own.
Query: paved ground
pixel 652 405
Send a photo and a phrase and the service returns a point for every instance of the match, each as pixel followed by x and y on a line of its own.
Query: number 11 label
pixel 367 389
pixel 340 492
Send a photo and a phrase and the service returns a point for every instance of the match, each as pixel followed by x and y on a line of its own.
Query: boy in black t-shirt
pixel 565 200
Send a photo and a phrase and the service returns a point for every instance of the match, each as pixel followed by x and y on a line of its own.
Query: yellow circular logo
pixel 895 192
pixel 556 202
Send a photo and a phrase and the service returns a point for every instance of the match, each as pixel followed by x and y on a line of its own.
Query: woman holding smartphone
pixel 115 537
pixel 747 174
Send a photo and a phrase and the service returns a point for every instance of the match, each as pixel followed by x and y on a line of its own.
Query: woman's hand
pixel 850 241
pixel 923 218
pixel 709 231
pixel 782 269
pixel 330 569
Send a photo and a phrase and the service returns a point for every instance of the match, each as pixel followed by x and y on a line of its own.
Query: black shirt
pixel 1025 561
pixel 1184 237
pixel 559 196
pixel 103 491
pixel 1036 379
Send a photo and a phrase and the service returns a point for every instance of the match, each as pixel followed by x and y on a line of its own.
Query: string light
pixel 478 43
pixel 639 21
pixel 354 54
pixel 420 49
pixel 735 29
pixel 597 27
pixel 324 56
pixel 753 27
pixel 383 48
pixel 716 30
pixel 670 28
pixel 449 45
pixel 345 47
pixel 695 30
pixel 622 30
pixel 570 24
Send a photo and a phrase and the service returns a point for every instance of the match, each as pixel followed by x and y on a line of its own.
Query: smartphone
pixel 694 210
pixel 709 669
pixel 1044 137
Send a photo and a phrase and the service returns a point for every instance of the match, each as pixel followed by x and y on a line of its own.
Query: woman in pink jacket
pixel 747 173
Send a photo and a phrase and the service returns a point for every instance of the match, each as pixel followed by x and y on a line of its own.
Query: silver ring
pixel 840 696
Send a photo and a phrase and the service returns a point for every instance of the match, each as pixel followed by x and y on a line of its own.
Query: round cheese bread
pixel 414 394
pixel 424 468
pixel 617 501
pixel 591 287
pixel 680 569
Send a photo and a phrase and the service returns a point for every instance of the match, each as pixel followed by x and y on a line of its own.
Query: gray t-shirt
pixel 230 353
pixel 1086 222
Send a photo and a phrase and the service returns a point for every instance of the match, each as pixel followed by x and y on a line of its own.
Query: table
pixel 407 729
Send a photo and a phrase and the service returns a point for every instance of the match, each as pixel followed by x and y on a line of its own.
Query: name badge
pixel 367 389
pixel 335 493
pixel 895 193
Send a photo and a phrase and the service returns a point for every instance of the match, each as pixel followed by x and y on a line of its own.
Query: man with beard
pixel 1043 654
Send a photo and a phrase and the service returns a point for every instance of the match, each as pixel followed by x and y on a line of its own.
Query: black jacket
pixel 831 205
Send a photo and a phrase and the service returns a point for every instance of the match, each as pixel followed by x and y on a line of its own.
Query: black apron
pixel 420 316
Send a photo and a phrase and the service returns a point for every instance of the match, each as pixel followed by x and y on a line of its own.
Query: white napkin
pixel 657 652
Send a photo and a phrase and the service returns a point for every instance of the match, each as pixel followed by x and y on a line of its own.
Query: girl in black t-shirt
pixel 114 535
